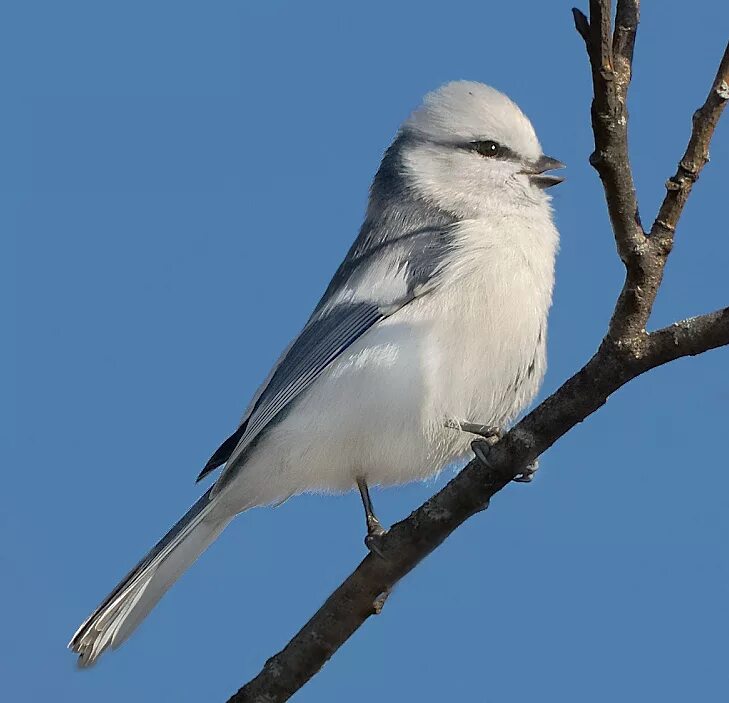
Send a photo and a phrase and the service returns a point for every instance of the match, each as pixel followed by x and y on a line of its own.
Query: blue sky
pixel 179 181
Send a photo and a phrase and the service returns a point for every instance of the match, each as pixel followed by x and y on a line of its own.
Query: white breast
pixel 472 350
pixel 486 350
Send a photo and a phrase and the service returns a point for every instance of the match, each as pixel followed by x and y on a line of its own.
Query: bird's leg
pixel 490 434
pixel 481 447
pixel 375 531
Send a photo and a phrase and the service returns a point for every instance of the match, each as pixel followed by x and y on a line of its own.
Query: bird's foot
pixel 490 434
pixel 482 448
pixel 375 534
pixel 527 476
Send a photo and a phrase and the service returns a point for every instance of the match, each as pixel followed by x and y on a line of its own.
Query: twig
pixel 688 337
pixel 644 256
pixel 705 119
pixel 611 73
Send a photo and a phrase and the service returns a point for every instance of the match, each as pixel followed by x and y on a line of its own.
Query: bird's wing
pixel 363 292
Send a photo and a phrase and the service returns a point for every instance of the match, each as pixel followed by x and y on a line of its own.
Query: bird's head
pixel 469 149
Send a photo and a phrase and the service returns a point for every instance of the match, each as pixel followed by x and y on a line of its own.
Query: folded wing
pixel 365 290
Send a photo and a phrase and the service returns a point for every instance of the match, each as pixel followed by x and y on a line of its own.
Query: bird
pixel 433 326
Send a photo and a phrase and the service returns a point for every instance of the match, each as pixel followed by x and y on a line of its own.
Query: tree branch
pixel 626 352
pixel 690 337
pixel 644 256
pixel 610 60
pixel 697 153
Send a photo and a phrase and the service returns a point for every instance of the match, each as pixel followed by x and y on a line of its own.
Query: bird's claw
pixel 527 476
pixel 482 448
pixel 373 540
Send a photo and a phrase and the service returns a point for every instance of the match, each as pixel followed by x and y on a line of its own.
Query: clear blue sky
pixel 179 181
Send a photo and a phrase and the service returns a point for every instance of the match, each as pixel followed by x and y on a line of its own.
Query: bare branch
pixel 627 16
pixel 611 62
pixel 609 117
pixel 626 352
pixel 689 337
pixel 644 257
pixel 645 269
pixel 696 155
pixel 645 272
pixel 581 25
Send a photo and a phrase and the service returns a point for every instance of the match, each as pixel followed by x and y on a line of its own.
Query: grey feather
pixel 87 629
pixel 321 341
pixel 397 215
pixel 401 228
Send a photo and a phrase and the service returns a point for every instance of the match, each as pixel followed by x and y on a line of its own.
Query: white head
pixel 469 148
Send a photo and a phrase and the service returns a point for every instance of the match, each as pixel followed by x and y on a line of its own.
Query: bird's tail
pixel 129 603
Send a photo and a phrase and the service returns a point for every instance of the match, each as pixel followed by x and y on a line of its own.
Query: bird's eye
pixel 488 148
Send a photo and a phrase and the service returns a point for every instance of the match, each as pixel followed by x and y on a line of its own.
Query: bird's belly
pixel 380 410
pixel 486 359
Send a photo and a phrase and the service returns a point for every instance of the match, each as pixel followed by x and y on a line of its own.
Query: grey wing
pixel 340 319
pixel 318 344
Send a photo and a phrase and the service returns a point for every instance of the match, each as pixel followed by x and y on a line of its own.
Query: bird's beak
pixel 537 175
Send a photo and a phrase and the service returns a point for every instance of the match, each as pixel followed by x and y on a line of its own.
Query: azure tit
pixel 435 321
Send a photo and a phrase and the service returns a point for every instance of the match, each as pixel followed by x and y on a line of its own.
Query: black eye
pixel 488 148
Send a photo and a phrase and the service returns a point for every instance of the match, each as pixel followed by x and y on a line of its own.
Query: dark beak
pixel 537 175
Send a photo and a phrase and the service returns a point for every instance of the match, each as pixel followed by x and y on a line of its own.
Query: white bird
pixel 435 319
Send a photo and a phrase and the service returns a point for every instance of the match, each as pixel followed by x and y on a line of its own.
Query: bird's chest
pixel 485 350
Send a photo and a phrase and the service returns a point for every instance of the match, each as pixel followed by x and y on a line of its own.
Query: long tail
pixel 129 603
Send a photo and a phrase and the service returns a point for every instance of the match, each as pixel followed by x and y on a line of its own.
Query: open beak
pixel 537 172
